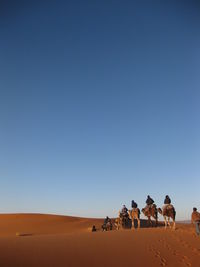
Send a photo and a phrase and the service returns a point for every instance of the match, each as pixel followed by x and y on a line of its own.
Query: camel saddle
pixel 169 207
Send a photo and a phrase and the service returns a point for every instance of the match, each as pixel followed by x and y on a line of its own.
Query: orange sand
pixel 49 240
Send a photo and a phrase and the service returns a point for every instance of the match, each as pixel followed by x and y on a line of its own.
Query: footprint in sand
pixel 196 251
pixel 186 245
pixel 176 253
pixel 186 261
pixel 162 240
pixel 157 254
pixel 165 244
pixel 150 248
pixel 163 261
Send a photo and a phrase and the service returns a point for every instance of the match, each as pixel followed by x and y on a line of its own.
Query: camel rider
pixel 167 203
pixel 149 202
pixel 124 211
pixel 107 219
pixel 134 204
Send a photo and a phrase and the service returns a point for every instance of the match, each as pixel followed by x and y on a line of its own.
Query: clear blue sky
pixel 99 105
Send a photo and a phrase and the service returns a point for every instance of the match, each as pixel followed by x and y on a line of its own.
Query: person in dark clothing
pixel 167 203
pixel 149 201
pixel 124 215
pixel 134 204
pixel 94 228
pixel 107 224
pixel 167 200
pixel 124 211
pixel 107 219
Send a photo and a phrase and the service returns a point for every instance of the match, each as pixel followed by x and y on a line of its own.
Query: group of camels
pixel 150 212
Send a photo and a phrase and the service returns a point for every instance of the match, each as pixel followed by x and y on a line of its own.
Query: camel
pixel 107 227
pixel 149 212
pixel 118 221
pixel 168 212
pixel 121 222
pixel 134 214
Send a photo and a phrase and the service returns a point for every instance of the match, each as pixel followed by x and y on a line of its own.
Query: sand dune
pixel 50 240
pixel 40 224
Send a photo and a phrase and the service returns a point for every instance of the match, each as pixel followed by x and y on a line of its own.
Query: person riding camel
pixel 107 220
pixel 134 204
pixel 124 211
pixel 149 202
pixel 124 215
pixel 107 225
pixel 167 200
pixel 167 203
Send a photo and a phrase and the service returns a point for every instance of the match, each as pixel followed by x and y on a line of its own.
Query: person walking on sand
pixel 195 218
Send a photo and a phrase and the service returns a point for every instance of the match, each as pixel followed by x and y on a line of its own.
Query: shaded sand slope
pixel 50 246
pixel 40 224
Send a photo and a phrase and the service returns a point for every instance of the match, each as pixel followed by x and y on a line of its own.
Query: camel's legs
pixel 165 219
pixel 169 222
pixel 133 226
pixel 156 220
pixel 138 220
pixel 150 221
pixel 174 225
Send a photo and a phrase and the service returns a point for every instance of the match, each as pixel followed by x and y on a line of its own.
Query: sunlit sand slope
pixel 48 240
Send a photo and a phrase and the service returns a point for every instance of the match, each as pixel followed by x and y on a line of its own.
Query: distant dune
pixel 41 224
pixel 49 240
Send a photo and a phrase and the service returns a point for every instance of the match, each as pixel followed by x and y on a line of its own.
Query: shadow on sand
pixel 24 234
pixel 144 224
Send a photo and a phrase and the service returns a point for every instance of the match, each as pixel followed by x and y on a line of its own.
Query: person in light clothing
pixel 195 218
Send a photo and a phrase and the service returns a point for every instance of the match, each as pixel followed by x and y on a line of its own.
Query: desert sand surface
pixel 51 240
